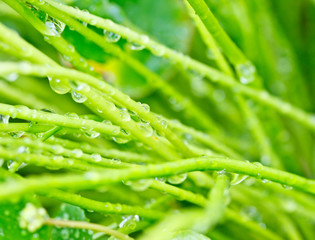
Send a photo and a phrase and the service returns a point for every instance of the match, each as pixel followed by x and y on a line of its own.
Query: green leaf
pixel 189 235
pixel 9 220
pixel 70 212
pixel 9 223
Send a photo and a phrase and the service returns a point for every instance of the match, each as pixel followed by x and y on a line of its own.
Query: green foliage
pixel 91 139
pixel 69 212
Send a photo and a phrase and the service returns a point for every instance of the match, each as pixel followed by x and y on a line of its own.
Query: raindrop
pixel 237 179
pixel 78 97
pixel 135 46
pixel 146 107
pixel 91 134
pixel 55 27
pixel 157 50
pixel 12 77
pixel 111 36
pixel 4 119
pixel 140 185
pixel 125 116
pixel 58 86
pixel 246 72
pixel 97 157
pixel 146 128
pixel 77 153
pixel 177 179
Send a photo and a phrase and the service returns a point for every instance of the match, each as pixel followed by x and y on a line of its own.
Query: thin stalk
pixel 94 178
pixel 260 96
pixel 86 225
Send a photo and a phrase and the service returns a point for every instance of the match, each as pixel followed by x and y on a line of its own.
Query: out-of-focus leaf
pixel 70 212
pixel 9 221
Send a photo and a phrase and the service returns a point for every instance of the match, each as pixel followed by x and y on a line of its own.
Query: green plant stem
pixel 60 150
pixel 103 207
pixel 52 162
pixel 253 121
pixel 19 96
pixel 215 206
pixel 205 139
pixel 86 225
pixel 260 96
pixel 91 179
pixel 24 112
pixel 107 153
pixel 125 100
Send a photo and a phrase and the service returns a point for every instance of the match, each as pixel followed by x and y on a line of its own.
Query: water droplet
pixel 97 157
pixel 157 50
pixel 72 115
pixel 246 72
pixel 129 222
pixel 146 128
pixel 177 179
pixel 77 153
pixel 287 187
pixel 55 27
pixel 91 133
pixel 125 116
pixel 16 134
pixel 120 140
pixel 12 77
pixel 78 97
pixel 135 46
pixel 111 36
pixel 59 86
pixel 4 119
pixel 57 149
pixel 146 107
pixel 237 178
pixel 140 185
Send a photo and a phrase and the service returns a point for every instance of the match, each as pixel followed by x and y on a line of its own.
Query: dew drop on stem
pixel 177 179
pixel 59 86
pixel 111 36
pixel 4 119
pixel 54 26
pixel 78 97
pixel 246 72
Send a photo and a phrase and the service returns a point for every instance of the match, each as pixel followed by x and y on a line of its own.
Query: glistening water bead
pixel 58 86
pixel 111 37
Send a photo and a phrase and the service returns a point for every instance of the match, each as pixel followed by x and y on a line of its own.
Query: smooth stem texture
pixel 93 178
pixel 215 206
pixel 110 91
pixel 108 153
pixel 252 120
pixel 204 120
pixel 234 54
pixel 60 150
pixel 103 207
pixel 24 112
pixel 86 225
pixel 260 96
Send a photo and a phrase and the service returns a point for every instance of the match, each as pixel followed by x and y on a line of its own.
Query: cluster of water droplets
pixel 32 217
